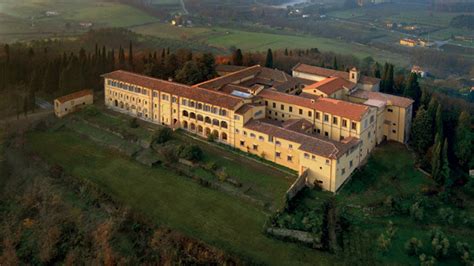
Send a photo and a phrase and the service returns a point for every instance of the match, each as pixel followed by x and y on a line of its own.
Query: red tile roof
pixel 325 72
pixel 198 94
pixel 74 95
pixel 331 85
pixel 345 109
pixel 309 143
pixel 387 98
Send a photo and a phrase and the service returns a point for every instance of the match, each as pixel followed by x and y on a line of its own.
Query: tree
pixel 130 56
pixel 425 97
pixel 445 170
pixel 413 90
pixel 421 132
pixel 390 80
pixel 192 153
pixel 207 63
pixel 237 58
pixel 171 66
pixel 121 58
pixel 162 135
pixel 334 64
pixel 436 160
pixel 190 74
pixel 463 144
pixel 269 59
pixel 439 121
pixel 413 246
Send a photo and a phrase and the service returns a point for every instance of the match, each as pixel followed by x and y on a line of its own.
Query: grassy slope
pixel 174 201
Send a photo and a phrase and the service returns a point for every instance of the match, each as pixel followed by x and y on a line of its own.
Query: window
pixel 306 156
pixel 255 147
pixel 236 131
pixel 270 139
pixel 370 134
pixel 334 120
pixel 282 107
pixel 326 133
pixel 199 106
pixel 291 109
pixel 326 118
pixel 310 114
pixel 289 158
pixel 174 99
pixel 266 103
pixel 242 143
pixel 278 154
pixel 354 126
pixel 274 105
pixel 155 94
pixel 278 143
pixel 184 102
pixel 290 146
pixel 327 161
pixel 301 111
pixel 390 110
pixel 344 123
pixel 261 138
pixel 215 110
pixel 343 171
pixel 224 124
pixel 372 119
pixel 165 97
pixel 313 157
pixel 269 112
pixel 252 135
pixel 351 163
pixel 394 131
pixel 207 108
pixel 223 112
pixel 258 113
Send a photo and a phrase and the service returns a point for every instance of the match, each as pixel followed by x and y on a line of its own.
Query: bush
pixel 413 246
pixel 464 251
pixel 222 174
pixel 211 166
pixel 133 123
pixel 212 137
pixel 446 215
pixel 91 111
pixel 417 212
pixel 427 260
pixel 439 243
pixel 191 153
pixel 168 154
pixel 162 135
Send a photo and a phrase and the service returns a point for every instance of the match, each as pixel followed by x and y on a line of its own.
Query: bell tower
pixel 354 75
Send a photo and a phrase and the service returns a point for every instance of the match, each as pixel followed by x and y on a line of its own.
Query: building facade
pixel 72 102
pixel 256 110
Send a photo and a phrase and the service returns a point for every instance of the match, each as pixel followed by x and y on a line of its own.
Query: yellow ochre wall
pixel 62 109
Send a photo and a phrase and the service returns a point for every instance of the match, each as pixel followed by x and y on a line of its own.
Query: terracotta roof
pixel 74 95
pixel 325 72
pixel 345 109
pixel 309 143
pixel 198 94
pixel 246 107
pixel 217 83
pixel 331 85
pixel 251 76
pixel 229 68
pixel 300 125
pixel 387 98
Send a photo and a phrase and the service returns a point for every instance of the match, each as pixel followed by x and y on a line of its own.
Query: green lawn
pixel 172 200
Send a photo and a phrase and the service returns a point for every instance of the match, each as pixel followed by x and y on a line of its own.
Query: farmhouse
pixel 72 102
pixel 408 42
pixel 263 112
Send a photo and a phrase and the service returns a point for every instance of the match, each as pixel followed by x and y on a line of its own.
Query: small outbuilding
pixel 72 102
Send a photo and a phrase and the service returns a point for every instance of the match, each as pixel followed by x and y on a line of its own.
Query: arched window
pixel 215 122
pixel 200 129
pixel 208 120
pixel 224 124
pixel 121 105
pixel 207 131
pixel 185 113
pixel 185 124
pixel 200 118
pixel 224 136
pixel 215 133
pixel 192 115
pixel 193 126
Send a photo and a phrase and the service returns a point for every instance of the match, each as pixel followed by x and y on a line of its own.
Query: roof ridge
pixel 226 75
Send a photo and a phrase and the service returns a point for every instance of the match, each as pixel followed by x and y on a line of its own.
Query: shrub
pixel 439 243
pixel 211 166
pixel 191 153
pixel 427 260
pixel 212 137
pixel 417 212
pixel 222 174
pixel 446 215
pixel 162 135
pixel 384 242
pixel 91 111
pixel 464 251
pixel 168 154
pixel 133 123
pixel 413 246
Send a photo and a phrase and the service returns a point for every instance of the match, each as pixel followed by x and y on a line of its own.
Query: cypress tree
pixel 463 147
pixel 439 121
pixel 425 97
pixel 269 59
pixel 334 64
pixel 121 58
pixel 421 132
pixel 444 172
pixel 390 80
pixel 286 51
pixel 383 82
pixel 237 58
pixel 377 70
pixel 436 160
pixel 130 56
pixel 6 49
pixel 413 90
